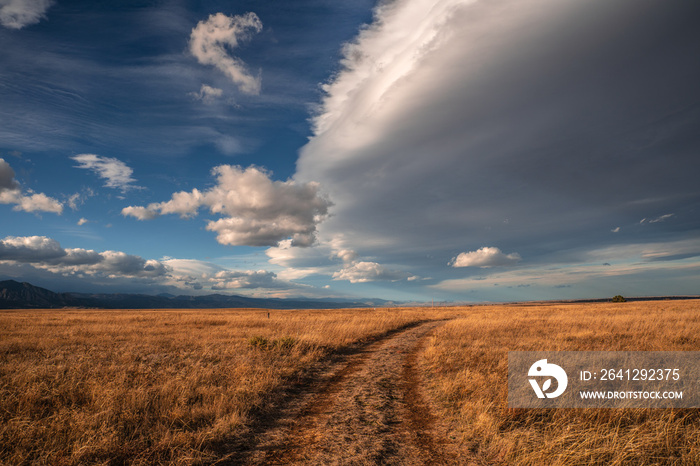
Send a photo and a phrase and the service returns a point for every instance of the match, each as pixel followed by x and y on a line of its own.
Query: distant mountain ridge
pixel 16 295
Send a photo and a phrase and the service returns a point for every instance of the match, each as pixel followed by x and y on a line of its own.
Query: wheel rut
pixel 365 407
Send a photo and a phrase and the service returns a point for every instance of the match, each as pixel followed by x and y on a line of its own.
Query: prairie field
pixel 192 386
pixel 147 387
pixel 467 362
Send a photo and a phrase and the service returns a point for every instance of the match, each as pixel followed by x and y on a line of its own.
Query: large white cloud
pixel 16 14
pixel 535 125
pixel 255 210
pixel 11 193
pixel 209 41
pixel 116 173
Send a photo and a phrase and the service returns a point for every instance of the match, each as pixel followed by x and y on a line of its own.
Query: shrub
pixel 282 344
pixel 285 343
pixel 618 299
pixel 258 342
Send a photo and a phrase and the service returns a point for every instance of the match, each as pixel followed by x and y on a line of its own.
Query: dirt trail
pixel 367 407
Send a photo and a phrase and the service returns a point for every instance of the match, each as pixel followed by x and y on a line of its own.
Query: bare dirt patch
pixel 365 407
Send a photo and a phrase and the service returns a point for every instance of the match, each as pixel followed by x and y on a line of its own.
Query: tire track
pixel 366 407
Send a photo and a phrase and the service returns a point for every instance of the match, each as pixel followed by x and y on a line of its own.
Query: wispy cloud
pixel 207 94
pixel 209 41
pixel 16 14
pixel 11 193
pixel 116 173
pixel 661 218
pixel 77 199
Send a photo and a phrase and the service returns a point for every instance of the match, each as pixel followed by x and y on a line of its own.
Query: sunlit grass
pixel 466 364
pixel 145 387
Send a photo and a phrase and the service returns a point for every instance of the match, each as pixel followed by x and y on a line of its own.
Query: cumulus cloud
pixel 30 249
pixel 255 210
pixel 210 39
pixel 11 193
pixel 346 255
pixel 484 257
pixel 45 257
pixel 230 279
pixel 7 177
pixel 359 271
pixel 47 253
pixel 116 173
pixel 16 14
pixel 138 212
pixel 300 262
pixel 199 275
pixel 207 94
pixel 364 271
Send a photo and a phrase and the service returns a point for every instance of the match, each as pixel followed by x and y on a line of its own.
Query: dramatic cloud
pixel 11 193
pixel 7 177
pixel 47 253
pixel 116 173
pixel 30 249
pixel 519 123
pixel 255 210
pixel 15 14
pixel 484 257
pixel 209 41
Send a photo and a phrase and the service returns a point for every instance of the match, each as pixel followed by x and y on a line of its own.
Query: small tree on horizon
pixel 619 299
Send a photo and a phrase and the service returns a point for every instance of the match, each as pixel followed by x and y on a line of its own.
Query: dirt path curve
pixel 367 408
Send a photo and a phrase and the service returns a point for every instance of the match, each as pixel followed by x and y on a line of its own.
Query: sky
pixel 409 150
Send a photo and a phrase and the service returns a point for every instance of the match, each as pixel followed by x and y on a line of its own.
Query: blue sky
pixel 408 150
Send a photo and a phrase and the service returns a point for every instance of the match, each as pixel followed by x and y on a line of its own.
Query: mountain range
pixel 16 295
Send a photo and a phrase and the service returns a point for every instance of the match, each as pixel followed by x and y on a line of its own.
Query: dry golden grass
pixel 466 366
pixel 176 386
pixel 155 387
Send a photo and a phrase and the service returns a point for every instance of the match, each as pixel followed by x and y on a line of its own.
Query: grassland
pixel 149 387
pixel 179 387
pixel 466 361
